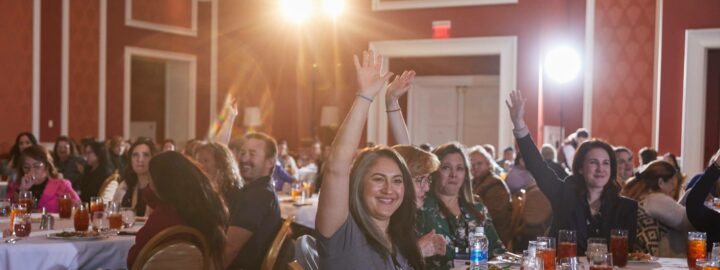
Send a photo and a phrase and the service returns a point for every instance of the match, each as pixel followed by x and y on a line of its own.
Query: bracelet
pixel 365 98
pixel 395 110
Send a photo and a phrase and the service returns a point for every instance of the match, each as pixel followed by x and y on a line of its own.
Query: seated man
pixel 256 218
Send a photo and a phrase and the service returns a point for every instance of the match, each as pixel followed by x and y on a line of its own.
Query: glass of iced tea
pixel 696 248
pixel 296 191
pixel 547 252
pixel 601 261
pixel 308 188
pixel 16 210
pixel 114 216
pixel 619 247
pixel 96 204
pixel 22 225
pixel 26 199
pixel 65 206
pixel 81 220
pixel 567 245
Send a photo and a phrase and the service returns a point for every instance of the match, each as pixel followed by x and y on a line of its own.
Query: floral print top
pixel 455 231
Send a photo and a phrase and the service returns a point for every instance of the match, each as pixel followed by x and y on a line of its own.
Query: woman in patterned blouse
pixel 451 210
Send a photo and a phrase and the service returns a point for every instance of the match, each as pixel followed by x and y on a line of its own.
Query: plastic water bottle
pixel 478 249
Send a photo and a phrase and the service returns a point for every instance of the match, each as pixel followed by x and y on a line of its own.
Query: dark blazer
pixel 569 204
pixel 701 217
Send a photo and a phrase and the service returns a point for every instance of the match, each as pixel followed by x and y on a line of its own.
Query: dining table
pixel 655 263
pixel 39 251
pixel 303 210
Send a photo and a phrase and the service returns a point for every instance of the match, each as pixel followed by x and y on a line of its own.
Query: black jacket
pixel 569 204
pixel 701 217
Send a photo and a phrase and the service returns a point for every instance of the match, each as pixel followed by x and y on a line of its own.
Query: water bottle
pixel 478 249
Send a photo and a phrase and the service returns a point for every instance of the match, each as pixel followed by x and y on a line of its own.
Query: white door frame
pixel 165 55
pixel 505 46
pixel 697 44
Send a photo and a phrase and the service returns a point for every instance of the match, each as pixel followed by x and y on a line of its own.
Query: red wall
pixel 623 69
pixel 16 24
pixel 251 31
pixel 169 12
pixel 678 16
pixel 50 66
pixel 84 71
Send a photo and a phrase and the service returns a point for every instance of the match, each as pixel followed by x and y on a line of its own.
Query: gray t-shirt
pixel 348 249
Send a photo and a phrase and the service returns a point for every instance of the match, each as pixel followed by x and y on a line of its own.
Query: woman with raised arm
pixel 588 200
pixel 703 218
pixel 367 208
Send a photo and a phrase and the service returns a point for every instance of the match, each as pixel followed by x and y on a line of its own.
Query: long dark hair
pixel 129 175
pixel 228 173
pixel 402 221
pixel 611 189
pixel 465 198
pixel 180 183
pixel 102 156
pixel 71 143
pixel 648 180
pixel 15 150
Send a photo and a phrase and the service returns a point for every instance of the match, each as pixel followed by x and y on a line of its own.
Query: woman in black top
pixel 588 200
pixel 97 170
pixel 701 217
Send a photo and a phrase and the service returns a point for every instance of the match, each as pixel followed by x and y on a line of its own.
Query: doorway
pixel 160 89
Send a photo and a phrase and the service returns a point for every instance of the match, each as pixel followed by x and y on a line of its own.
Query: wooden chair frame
pixel 162 240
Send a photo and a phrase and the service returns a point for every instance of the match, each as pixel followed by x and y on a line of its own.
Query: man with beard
pixel 257 220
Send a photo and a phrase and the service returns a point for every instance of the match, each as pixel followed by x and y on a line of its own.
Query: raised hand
pixel 369 75
pixel 516 106
pixel 399 86
pixel 232 107
pixel 27 182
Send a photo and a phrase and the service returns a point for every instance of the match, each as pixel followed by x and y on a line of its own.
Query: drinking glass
pixel 715 252
pixel 601 261
pixel 99 221
pixel 128 217
pixel 531 262
pixel 619 247
pixel 114 216
pixel 596 245
pixel 570 263
pixel 296 191
pixel 65 206
pixel 17 209
pixel 22 225
pixel 716 202
pixel 711 265
pixel 696 247
pixel 547 252
pixel 567 245
pixel 81 220
pixel 307 189
pixel 26 199
pixel 96 204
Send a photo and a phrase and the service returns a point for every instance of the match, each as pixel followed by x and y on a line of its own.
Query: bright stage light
pixel 562 64
pixel 333 7
pixel 297 10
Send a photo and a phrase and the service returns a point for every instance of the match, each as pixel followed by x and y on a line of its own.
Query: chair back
pixel 306 252
pixel 277 244
pixel 177 247
pixel 516 218
pixel 109 186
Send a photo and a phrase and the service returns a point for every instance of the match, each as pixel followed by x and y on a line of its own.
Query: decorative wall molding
pixel 37 15
pixel 65 70
pixel 378 5
pixel 165 55
pixel 213 59
pixel 655 139
pixel 505 46
pixel 588 66
pixel 102 71
pixel 697 43
pixel 192 31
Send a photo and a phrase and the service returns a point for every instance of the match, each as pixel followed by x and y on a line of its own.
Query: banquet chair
pixel 177 247
pixel 518 206
pixel 109 186
pixel 306 252
pixel 277 244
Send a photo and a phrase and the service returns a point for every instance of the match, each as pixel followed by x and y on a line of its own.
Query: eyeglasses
pixel 423 180
pixel 37 166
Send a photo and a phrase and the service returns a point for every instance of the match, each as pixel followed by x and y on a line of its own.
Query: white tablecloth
pixel 304 214
pixel 661 263
pixel 39 252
